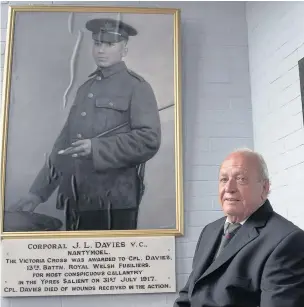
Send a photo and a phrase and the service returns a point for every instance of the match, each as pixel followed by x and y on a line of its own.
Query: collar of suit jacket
pixel 260 217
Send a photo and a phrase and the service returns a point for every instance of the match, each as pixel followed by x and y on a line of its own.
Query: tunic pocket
pixel 110 112
pixel 118 103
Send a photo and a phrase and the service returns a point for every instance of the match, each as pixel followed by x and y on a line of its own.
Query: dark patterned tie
pixel 230 230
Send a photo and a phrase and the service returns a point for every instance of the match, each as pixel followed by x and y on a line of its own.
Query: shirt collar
pixel 108 71
pixel 242 222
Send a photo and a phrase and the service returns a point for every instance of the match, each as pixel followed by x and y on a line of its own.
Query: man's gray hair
pixel 261 161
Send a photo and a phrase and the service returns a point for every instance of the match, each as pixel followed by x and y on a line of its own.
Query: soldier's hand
pixel 29 203
pixel 81 148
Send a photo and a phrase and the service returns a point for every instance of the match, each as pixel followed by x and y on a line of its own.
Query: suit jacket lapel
pixel 241 239
pixel 245 235
pixel 206 251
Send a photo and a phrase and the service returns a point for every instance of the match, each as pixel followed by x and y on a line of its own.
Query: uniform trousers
pixel 115 219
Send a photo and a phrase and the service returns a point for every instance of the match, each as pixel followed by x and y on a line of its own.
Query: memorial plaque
pixel 44 267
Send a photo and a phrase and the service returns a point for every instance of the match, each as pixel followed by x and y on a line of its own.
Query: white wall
pixel 217 118
pixel 276 43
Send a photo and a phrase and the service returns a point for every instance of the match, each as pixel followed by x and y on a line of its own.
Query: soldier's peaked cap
pixel 110 30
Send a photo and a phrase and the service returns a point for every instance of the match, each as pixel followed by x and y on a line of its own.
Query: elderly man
pixel 112 130
pixel 253 256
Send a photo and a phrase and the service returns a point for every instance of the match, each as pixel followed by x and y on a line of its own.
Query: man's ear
pixel 124 51
pixel 125 48
pixel 266 188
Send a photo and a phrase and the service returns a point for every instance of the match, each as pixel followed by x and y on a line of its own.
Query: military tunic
pixel 117 110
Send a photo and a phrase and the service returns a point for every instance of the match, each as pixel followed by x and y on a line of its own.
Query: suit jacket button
pixel 79 135
pixel 83 113
pixel 90 95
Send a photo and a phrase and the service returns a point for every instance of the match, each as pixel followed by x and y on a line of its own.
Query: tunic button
pixel 90 95
pixel 83 113
pixel 79 135
pixel 98 78
pixel 111 104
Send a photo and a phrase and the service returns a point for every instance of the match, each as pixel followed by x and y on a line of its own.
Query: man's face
pixel 241 188
pixel 106 54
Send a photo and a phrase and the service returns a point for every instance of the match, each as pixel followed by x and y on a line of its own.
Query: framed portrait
pixel 91 122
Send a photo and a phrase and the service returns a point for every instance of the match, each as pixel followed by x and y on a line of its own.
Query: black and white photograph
pixel 92 121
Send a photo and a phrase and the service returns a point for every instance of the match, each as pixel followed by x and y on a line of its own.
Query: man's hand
pixel 81 148
pixel 30 200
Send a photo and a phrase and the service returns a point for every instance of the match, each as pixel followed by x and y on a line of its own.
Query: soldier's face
pixel 106 54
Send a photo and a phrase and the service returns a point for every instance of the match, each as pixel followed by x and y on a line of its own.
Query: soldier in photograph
pixel 113 128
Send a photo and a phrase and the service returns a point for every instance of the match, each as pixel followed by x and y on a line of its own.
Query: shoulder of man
pixel 135 75
pixel 214 225
pixel 217 224
pixel 86 82
pixel 281 225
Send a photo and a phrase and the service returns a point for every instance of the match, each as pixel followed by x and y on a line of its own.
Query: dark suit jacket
pixel 263 265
